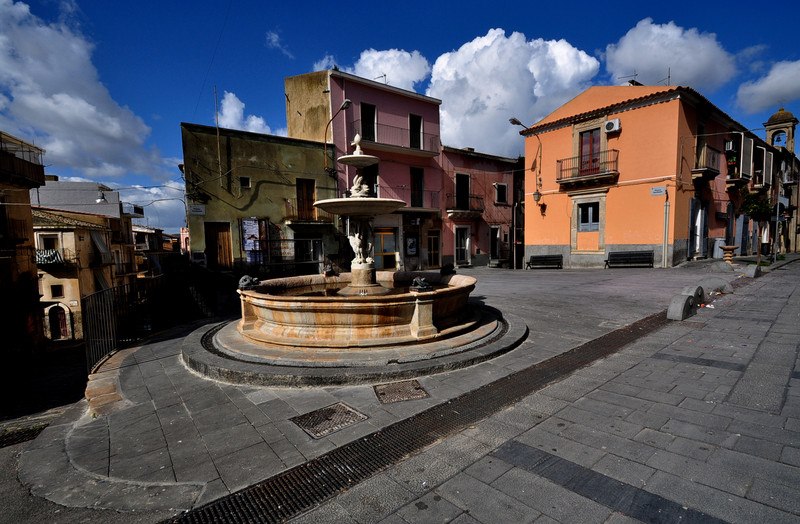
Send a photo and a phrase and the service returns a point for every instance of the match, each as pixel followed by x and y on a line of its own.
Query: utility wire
pixel 213 55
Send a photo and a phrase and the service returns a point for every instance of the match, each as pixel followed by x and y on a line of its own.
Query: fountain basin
pixel 358 207
pixel 274 313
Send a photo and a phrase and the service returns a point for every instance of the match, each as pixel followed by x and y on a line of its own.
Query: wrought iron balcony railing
pixel 583 167
pixel 396 136
pixel 422 198
pixel 304 211
pixel 472 203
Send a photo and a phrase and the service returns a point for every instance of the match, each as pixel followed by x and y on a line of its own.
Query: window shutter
pixel 747 158
pixel 768 168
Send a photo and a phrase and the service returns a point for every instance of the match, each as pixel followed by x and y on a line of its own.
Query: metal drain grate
pixel 11 436
pixel 299 489
pixel 400 391
pixel 325 421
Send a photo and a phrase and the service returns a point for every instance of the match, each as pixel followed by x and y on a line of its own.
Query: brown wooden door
pixel 305 199
pixel 219 254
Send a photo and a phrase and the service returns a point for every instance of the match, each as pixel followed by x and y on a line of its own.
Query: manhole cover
pixel 326 420
pixel 400 391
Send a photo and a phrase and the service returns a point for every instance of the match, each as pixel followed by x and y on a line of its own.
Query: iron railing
pixel 396 136
pixel 602 163
pixel 48 257
pixel 121 315
pixel 465 203
pixel 412 197
pixel 304 211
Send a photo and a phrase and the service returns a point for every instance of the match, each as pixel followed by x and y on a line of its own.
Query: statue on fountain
pixel 360 241
pixel 359 188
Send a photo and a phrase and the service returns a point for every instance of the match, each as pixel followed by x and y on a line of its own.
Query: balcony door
pixel 415 131
pixel 590 152
pixel 305 198
pixel 368 121
pixel 462 191
pixel 417 186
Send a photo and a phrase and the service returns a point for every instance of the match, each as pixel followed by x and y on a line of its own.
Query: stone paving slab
pixel 617 415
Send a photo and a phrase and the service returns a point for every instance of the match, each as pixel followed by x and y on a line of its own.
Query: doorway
pixel 385 249
pixel 462 191
pixel 494 242
pixel 462 245
pixel 433 248
pixel 219 254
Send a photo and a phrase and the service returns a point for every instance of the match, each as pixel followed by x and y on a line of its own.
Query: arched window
pixel 779 139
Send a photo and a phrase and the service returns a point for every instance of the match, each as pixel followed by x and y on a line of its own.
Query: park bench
pixel 629 259
pixel 553 261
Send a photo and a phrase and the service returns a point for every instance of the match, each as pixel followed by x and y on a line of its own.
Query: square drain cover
pixel 326 420
pixel 400 391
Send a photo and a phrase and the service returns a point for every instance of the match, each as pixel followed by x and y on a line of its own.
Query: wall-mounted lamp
pixel 331 170
pixel 537 195
pixel 101 198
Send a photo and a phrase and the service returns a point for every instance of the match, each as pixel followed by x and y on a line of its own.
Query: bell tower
pixel 780 129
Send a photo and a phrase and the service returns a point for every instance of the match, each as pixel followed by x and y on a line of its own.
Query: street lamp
pixel 331 170
pixel 537 195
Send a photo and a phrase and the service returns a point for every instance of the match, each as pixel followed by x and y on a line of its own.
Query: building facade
pixel 624 168
pixel 21 169
pixel 74 260
pixel 451 195
pixel 250 201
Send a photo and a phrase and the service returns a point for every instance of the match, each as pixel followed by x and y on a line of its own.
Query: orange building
pixel 654 168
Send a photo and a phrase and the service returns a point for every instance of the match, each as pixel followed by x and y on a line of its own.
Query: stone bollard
pixel 697 292
pixel 681 307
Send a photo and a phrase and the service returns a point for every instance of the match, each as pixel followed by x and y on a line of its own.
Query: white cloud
pixel 401 68
pixel 51 94
pixel 494 77
pixel 231 116
pixel 274 42
pixel 780 86
pixel 654 51
pixel 163 206
pixel 326 62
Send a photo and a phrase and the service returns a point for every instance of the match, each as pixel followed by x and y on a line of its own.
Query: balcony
pixel 759 180
pixel 463 206
pixel 304 212
pixel 707 164
pixel 601 168
pixel 20 162
pixel 416 200
pixel 735 179
pixel 382 137
pixel 55 258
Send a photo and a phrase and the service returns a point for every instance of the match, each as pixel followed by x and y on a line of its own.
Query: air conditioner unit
pixel 613 126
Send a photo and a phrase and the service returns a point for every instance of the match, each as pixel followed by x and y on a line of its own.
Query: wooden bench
pixel 629 259
pixel 553 261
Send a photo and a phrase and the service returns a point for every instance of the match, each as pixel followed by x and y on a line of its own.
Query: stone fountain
pixel 361 208
pixel 362 326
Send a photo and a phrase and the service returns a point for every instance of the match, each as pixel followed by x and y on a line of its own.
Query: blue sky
pixel 104 86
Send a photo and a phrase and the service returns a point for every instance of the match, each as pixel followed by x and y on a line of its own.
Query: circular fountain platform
pixel 299 331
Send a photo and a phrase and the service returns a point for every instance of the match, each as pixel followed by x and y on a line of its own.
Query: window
pixel 244 182
pixel 501 193
pixel 589 216
pixel 49 241
pixel 56 291
pixel 368 121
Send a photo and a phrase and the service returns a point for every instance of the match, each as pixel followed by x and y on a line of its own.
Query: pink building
pixel 458 202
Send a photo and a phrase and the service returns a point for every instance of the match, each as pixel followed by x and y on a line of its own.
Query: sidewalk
pixel 695 414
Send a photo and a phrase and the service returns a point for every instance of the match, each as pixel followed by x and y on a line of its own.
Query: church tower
pixel 780 129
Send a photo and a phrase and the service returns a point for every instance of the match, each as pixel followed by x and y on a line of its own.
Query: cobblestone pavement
pixel 698 420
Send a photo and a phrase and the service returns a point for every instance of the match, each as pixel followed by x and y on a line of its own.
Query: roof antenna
pixel 632 78
pixel 385 79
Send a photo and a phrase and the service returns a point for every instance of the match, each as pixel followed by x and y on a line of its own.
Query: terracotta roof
pixel 53 220
pixel 602 96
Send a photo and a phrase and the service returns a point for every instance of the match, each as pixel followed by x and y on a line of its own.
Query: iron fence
pixel 116 317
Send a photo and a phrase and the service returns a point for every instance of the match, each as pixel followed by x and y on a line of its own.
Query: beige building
pixel 74 258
